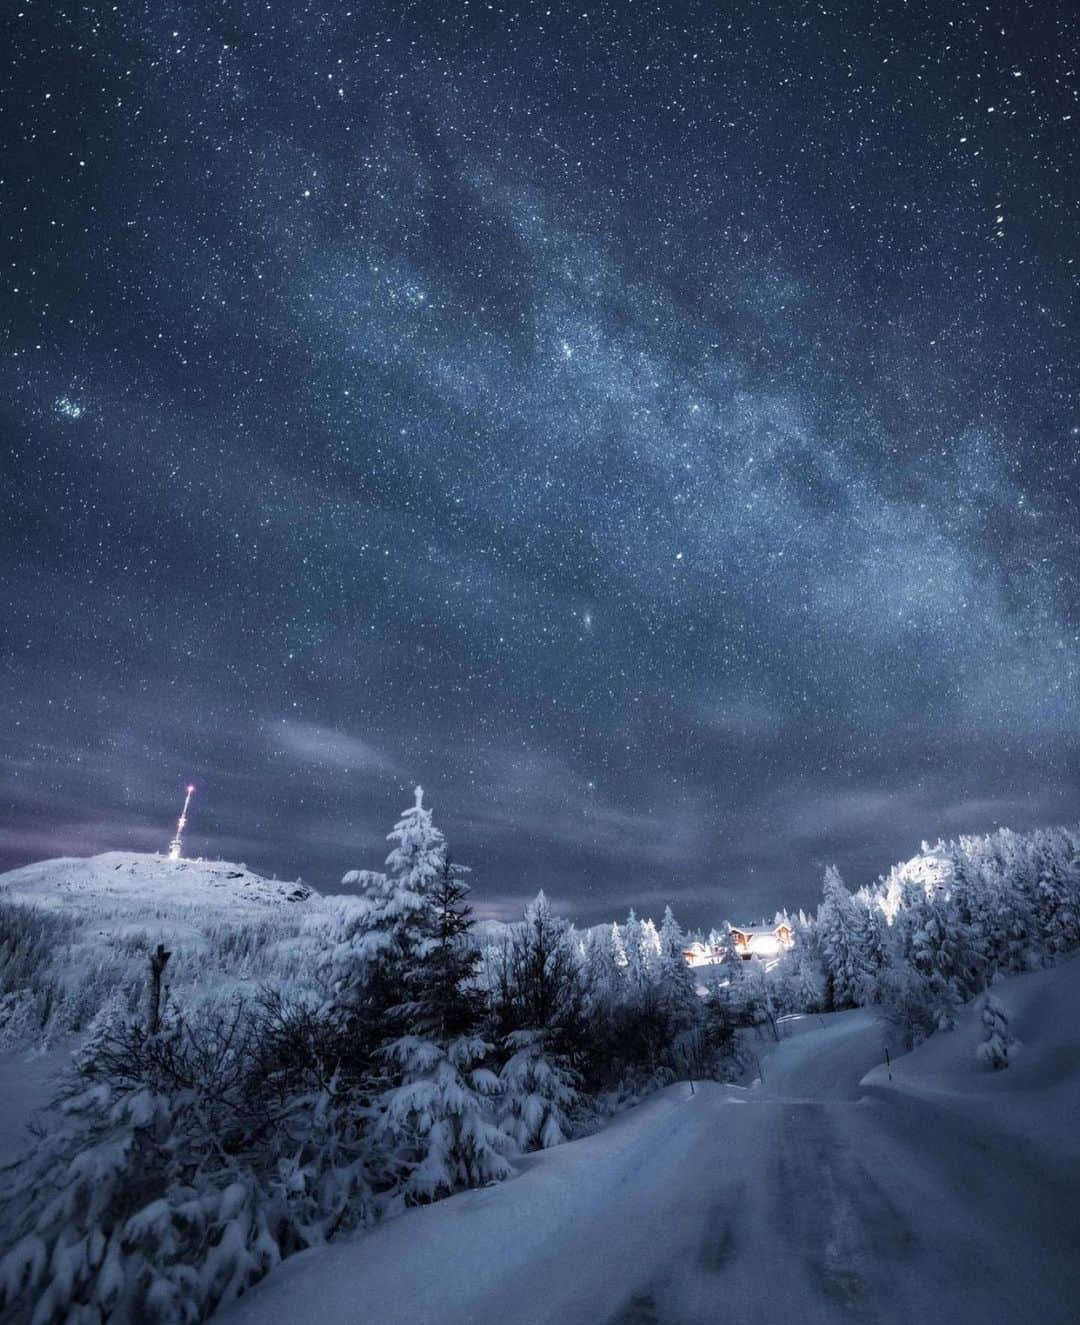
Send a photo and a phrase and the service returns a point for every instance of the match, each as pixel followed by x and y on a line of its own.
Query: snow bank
pixel 1036 1100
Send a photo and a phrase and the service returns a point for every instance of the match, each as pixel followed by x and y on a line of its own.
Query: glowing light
pixel 176 845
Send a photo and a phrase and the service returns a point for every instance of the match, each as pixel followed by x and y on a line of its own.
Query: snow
pixel 227 928
pixel 28 1081
pixel 139 882
pixel 1035 1101
pixel 947 1194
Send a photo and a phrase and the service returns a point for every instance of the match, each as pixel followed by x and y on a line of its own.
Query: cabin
pixel 766 942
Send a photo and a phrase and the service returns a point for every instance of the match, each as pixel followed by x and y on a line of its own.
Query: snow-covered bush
pixel 539 1093
pixel 997 1044
pixel 133 1203
pixel 436 1126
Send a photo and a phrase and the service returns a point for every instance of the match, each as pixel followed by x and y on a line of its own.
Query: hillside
pixel 140 883
pixel 77 932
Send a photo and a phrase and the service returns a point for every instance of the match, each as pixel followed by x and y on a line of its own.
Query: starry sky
pixel 654 427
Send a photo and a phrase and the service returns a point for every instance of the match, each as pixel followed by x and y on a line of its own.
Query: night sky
pixel 653 427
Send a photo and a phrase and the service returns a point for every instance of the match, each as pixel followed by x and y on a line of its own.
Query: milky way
pixel 652 427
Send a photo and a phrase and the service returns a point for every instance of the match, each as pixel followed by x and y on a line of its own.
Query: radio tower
pixel 175 845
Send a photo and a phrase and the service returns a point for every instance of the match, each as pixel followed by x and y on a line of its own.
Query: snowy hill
pixel 136 881
pixel 78 931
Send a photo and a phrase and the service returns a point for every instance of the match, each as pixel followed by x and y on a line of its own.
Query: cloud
pixel 328 747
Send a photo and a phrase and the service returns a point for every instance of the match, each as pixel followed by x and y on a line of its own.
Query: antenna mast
pixel 175 845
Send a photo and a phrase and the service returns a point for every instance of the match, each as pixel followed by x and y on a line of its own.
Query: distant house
pixel 763 941
pixel 766 942
pixel 700 954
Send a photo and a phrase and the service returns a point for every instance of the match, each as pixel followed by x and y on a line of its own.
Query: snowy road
pixel 806 1199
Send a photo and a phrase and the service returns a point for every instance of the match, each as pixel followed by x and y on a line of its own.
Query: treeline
pixel 933 934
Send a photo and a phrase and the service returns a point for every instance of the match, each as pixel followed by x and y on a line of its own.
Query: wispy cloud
pixel 329 747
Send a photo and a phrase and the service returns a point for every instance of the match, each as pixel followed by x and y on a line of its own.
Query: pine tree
pixel 842 943
pixel 637 956
pixel 435 1121
pixel 540 1091
pixel 997 1044
pixel 802 973
pixel 544 989
pixel 381 935
pixel 677 989
pixel 541 1006
pixel 603 966
pixel 446 998
pixel 1057 893
pixel 139 1203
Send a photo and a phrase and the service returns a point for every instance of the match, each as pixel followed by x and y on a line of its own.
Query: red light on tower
pixel 175 845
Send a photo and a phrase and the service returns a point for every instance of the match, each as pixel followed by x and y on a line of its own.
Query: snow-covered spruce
pixel 997 1044
pixel 540 1093
pixel 436 1126
pixel 842 943
pixel 404 977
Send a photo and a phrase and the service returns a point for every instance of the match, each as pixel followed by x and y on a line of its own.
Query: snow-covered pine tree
pixel 799 978
pixel 603 968
pixel 680 1006
pixel 634 941
pixel 542 1016
pixel 545 990
pixel 965 915
pixel 381 934
pixel 650 943
pixel 674 978
pixel 437 1124
pixel 1004 920
pixel 451 1001
pixel 945 950
pixel 997 1044
pixel 435 1117
pixel 540 1091
pixel 906 1003
pixel 1057 893
pixel 841 941
pixel 873 941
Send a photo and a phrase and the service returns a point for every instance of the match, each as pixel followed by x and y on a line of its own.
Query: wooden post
pixel 888 1061
pixel 158 962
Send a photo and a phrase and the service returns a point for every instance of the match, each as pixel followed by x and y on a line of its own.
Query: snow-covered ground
pixel 826 1193
pixel 29 1079
pixel 146 885
pixel 227 928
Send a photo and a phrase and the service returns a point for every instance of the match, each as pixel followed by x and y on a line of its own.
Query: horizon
pixel 694 913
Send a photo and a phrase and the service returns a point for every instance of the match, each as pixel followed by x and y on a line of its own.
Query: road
pixel 804 1199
